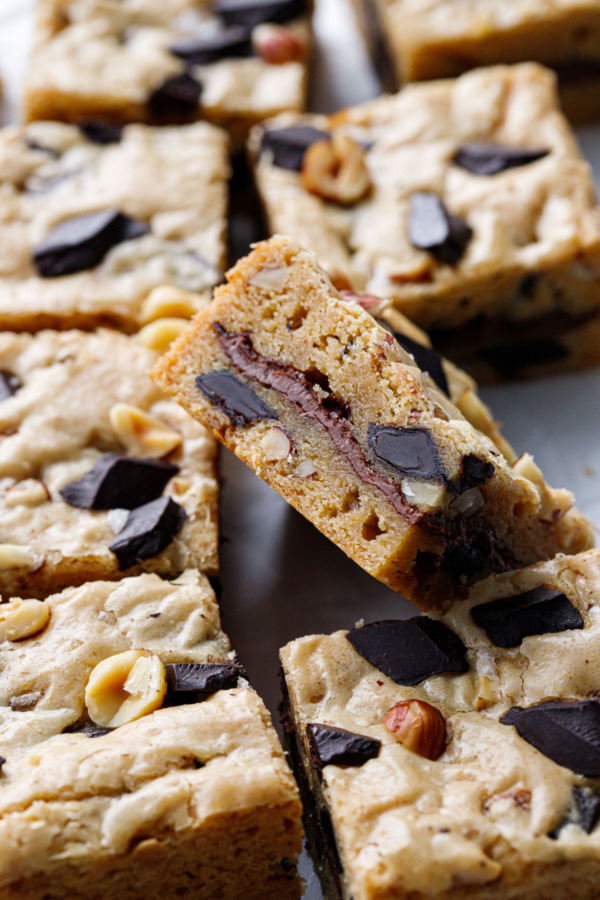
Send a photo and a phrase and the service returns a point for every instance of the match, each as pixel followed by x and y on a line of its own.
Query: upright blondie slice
pixel 417 40
pixel 233 62
pixel 457 757
pixel 467 202
pixel 136 760
pixel 100 474
pixel 326 406
pixel 92 220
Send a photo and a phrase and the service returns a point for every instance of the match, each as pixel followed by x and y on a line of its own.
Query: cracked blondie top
pixel 446 763
pixel 100 474
pixel 93 219
pixel 418 40
pixel 188 791
pixel 331 411
pixel 467 202
pixel 233 62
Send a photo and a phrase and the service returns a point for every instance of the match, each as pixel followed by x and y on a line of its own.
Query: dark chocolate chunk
pixel 410 650
pixel 90 729
pixel 119 482
pixel 409 451
pixel 224 44
pixel 489 159
pixel 187 680
pixel 288 145
pixel 25 702
pixel 2 761
pixel 251 13
pixel 473 472
pixel 509 358
pixel 101 132
pixel 431 227
pixel 427 360
pixel 566 731
pixel 82 242
pixel 338 747
pixel 148 530
pixel 509 620
pixel 587 804
pixel 176 99
pixel 228 393
pixel 9 384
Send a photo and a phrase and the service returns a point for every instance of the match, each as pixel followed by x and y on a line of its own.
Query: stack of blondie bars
pixel 443 233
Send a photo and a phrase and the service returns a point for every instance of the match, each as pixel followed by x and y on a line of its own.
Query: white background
pixel 281 578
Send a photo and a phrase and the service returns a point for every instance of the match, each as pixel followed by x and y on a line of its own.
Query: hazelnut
pixel 159 335
pixel 277 45
pixel 30 492
pixel 141 433
pixel 418 726
pixel 13 556
pixel 125 687
pixel 336 170
pixel 486 695
pixel 21 619
pixel 168 301
pixel 276 444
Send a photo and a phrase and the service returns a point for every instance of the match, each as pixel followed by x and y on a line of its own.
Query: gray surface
pixel 281 578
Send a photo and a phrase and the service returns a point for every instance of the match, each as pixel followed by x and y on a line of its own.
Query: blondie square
pixel 330 410
pixel 93 220
pixel 467 202
pixel 457 757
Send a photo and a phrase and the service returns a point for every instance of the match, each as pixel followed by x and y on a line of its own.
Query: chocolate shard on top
pixel 431 227
pixel 230 42
pixel 251 13
pixel 566 731
pixel 176 99
pixel 82 242
pixel 101 132
pixel 9 384
pixel 427 360
pixel 119 482
pixel 338 747
pixel 229 393
pixel 410 650
pixel 409 451
pixel 148 530
pixel 509 620
pixel 489 159
pixel 190 679
pixel 288 145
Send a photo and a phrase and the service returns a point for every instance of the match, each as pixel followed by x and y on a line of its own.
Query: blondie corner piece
pixel 419 40
pixel 100 474
pixel 233 62
pixel 94 219
pixel 328 408
pixel 467 202
pixel 136 760
pixel 457 757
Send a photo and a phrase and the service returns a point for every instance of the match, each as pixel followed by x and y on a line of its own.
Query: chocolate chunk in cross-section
pixel 473 472
pixel 287 146
pixel 489 159
pixel 409 451
pixel 82 242
pixel 176 99
pixel 410 650
pixel 186 681
pixel 225 44
pixel 119 482
pixel 509 620
pixel 229 394
pixel 427 360
pixel 102 133
pixel 9 384
pixel 338 747
pixel 432 228
pixel 251 13
pixel 149 529
pixel 566 731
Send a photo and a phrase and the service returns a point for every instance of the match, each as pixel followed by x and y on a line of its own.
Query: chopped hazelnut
pixel 336 170
pixel 418 726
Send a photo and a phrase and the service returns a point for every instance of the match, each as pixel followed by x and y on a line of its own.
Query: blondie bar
pixel 92 220
pixel 136 760
pixel 457 757
pixel 99 472
pixel 417 40
pixel 233 62
pixel 467 202
pixel 331 411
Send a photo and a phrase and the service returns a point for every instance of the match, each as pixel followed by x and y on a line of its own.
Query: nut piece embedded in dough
pixel 21 619
pixel 276 444
pixel 418 726
pixel 168 301
pixel 159 335
pixel 13 556
pixel 336 170
pixel 125 687
pixel 141 433
pixel 277 45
